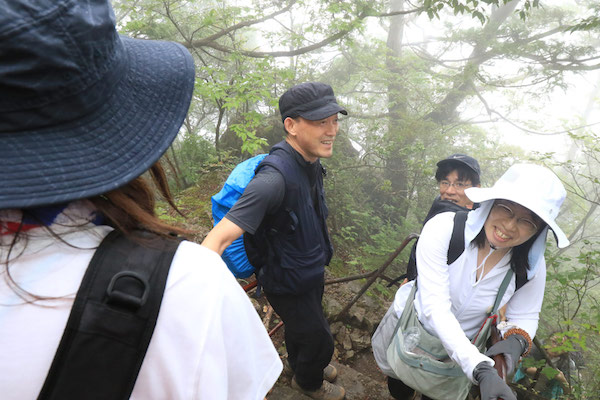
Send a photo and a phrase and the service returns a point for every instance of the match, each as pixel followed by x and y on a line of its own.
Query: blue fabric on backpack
pixel 235 255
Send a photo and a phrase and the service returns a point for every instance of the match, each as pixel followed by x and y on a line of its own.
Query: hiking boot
pixel 327 391
pixel 330 373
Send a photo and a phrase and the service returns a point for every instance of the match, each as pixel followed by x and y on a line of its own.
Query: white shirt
pixel 209 342
pixel 451 304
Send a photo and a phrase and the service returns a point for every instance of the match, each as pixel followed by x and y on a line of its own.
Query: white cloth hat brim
pixel 479 195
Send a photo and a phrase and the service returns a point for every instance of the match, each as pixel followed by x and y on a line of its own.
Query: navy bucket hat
pixel 83 110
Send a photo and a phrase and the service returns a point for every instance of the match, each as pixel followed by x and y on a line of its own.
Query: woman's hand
pixel 491 386
pixel 512 348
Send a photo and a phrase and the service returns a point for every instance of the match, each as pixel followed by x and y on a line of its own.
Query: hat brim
pixel 109 147
pixel 326 111
pixel 479 195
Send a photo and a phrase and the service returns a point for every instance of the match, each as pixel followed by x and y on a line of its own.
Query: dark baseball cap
pixel 463 159
pixel 309 100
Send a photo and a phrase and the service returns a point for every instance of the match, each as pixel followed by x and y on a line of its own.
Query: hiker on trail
pixel 283 215
pixel 442 311
pixel 453 175
pixel 84 112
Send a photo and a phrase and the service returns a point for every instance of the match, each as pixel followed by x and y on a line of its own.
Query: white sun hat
pixel 532 186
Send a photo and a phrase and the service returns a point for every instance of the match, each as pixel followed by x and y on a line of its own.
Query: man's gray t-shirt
pixel 264 195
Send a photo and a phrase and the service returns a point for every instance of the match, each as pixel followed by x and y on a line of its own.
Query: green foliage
pixel 193 152
pixel 477 9
pixel 587 24
pixel 530 362
pixel 380 289
pixel 549 372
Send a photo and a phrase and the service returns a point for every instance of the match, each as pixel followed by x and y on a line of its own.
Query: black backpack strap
pixel 520 279
pixel 455 247
pixel 457 240
pixel 112 319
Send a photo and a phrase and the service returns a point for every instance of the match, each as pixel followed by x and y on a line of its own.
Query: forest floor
pixel 359 374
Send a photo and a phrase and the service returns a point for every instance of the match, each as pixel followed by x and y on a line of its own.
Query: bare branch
pixel 209 40
pixel 289 53
pixel 542 133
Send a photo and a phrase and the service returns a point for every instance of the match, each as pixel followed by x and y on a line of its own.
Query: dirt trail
pixel 359 386
pixel 357 371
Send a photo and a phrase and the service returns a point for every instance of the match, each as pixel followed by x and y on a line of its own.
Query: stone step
pixel 358 386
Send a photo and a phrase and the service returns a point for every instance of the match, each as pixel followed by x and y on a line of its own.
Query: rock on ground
pixel 358 386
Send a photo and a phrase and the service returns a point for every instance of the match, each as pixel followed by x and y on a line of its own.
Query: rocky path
pixel 357 371
pixel 358 386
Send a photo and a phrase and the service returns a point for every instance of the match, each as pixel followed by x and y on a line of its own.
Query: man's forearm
pixel 222 235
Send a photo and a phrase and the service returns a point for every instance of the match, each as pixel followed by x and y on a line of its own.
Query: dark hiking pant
pixel 307 336
pixel 400 391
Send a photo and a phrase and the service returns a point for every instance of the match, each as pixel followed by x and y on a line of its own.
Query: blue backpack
pixel 235 255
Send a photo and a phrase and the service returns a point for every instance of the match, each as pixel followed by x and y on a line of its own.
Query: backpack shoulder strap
pixel 278 161
pixel 112 319
pixel 457 240
pixel 520 279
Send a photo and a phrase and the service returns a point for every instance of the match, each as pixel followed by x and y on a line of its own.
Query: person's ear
pixel 290 126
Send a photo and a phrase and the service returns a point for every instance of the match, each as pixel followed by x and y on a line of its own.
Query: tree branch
pixel 209 40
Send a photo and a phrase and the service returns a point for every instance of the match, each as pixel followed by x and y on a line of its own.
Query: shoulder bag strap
pixel 502 290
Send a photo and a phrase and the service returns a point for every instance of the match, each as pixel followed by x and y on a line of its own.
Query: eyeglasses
pixel 458 185
pixel 525 223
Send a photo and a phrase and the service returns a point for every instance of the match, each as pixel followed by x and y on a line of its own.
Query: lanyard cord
pixel 481 268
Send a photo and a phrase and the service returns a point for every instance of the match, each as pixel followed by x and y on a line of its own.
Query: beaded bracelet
pixel 519 331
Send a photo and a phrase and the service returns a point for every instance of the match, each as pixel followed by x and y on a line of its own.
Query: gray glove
pixel 491 386
pixel 512 348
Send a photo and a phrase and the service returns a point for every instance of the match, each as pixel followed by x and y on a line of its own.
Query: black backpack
pixel 112 319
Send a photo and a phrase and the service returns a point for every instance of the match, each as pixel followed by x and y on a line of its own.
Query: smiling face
pixel 453 189
pixel 510 224
pixel 312 139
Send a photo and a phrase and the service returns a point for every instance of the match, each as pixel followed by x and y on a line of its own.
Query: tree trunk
pixel 218 132
pixel 395 170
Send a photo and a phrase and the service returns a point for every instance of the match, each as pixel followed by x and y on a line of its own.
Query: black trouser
pixel 307 336
pixel 400 391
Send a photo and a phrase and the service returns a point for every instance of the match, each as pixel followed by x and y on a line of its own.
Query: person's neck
pixel 298 149
pixel 489 247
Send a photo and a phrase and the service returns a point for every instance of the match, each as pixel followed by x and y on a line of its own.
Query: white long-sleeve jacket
pixel 451 304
